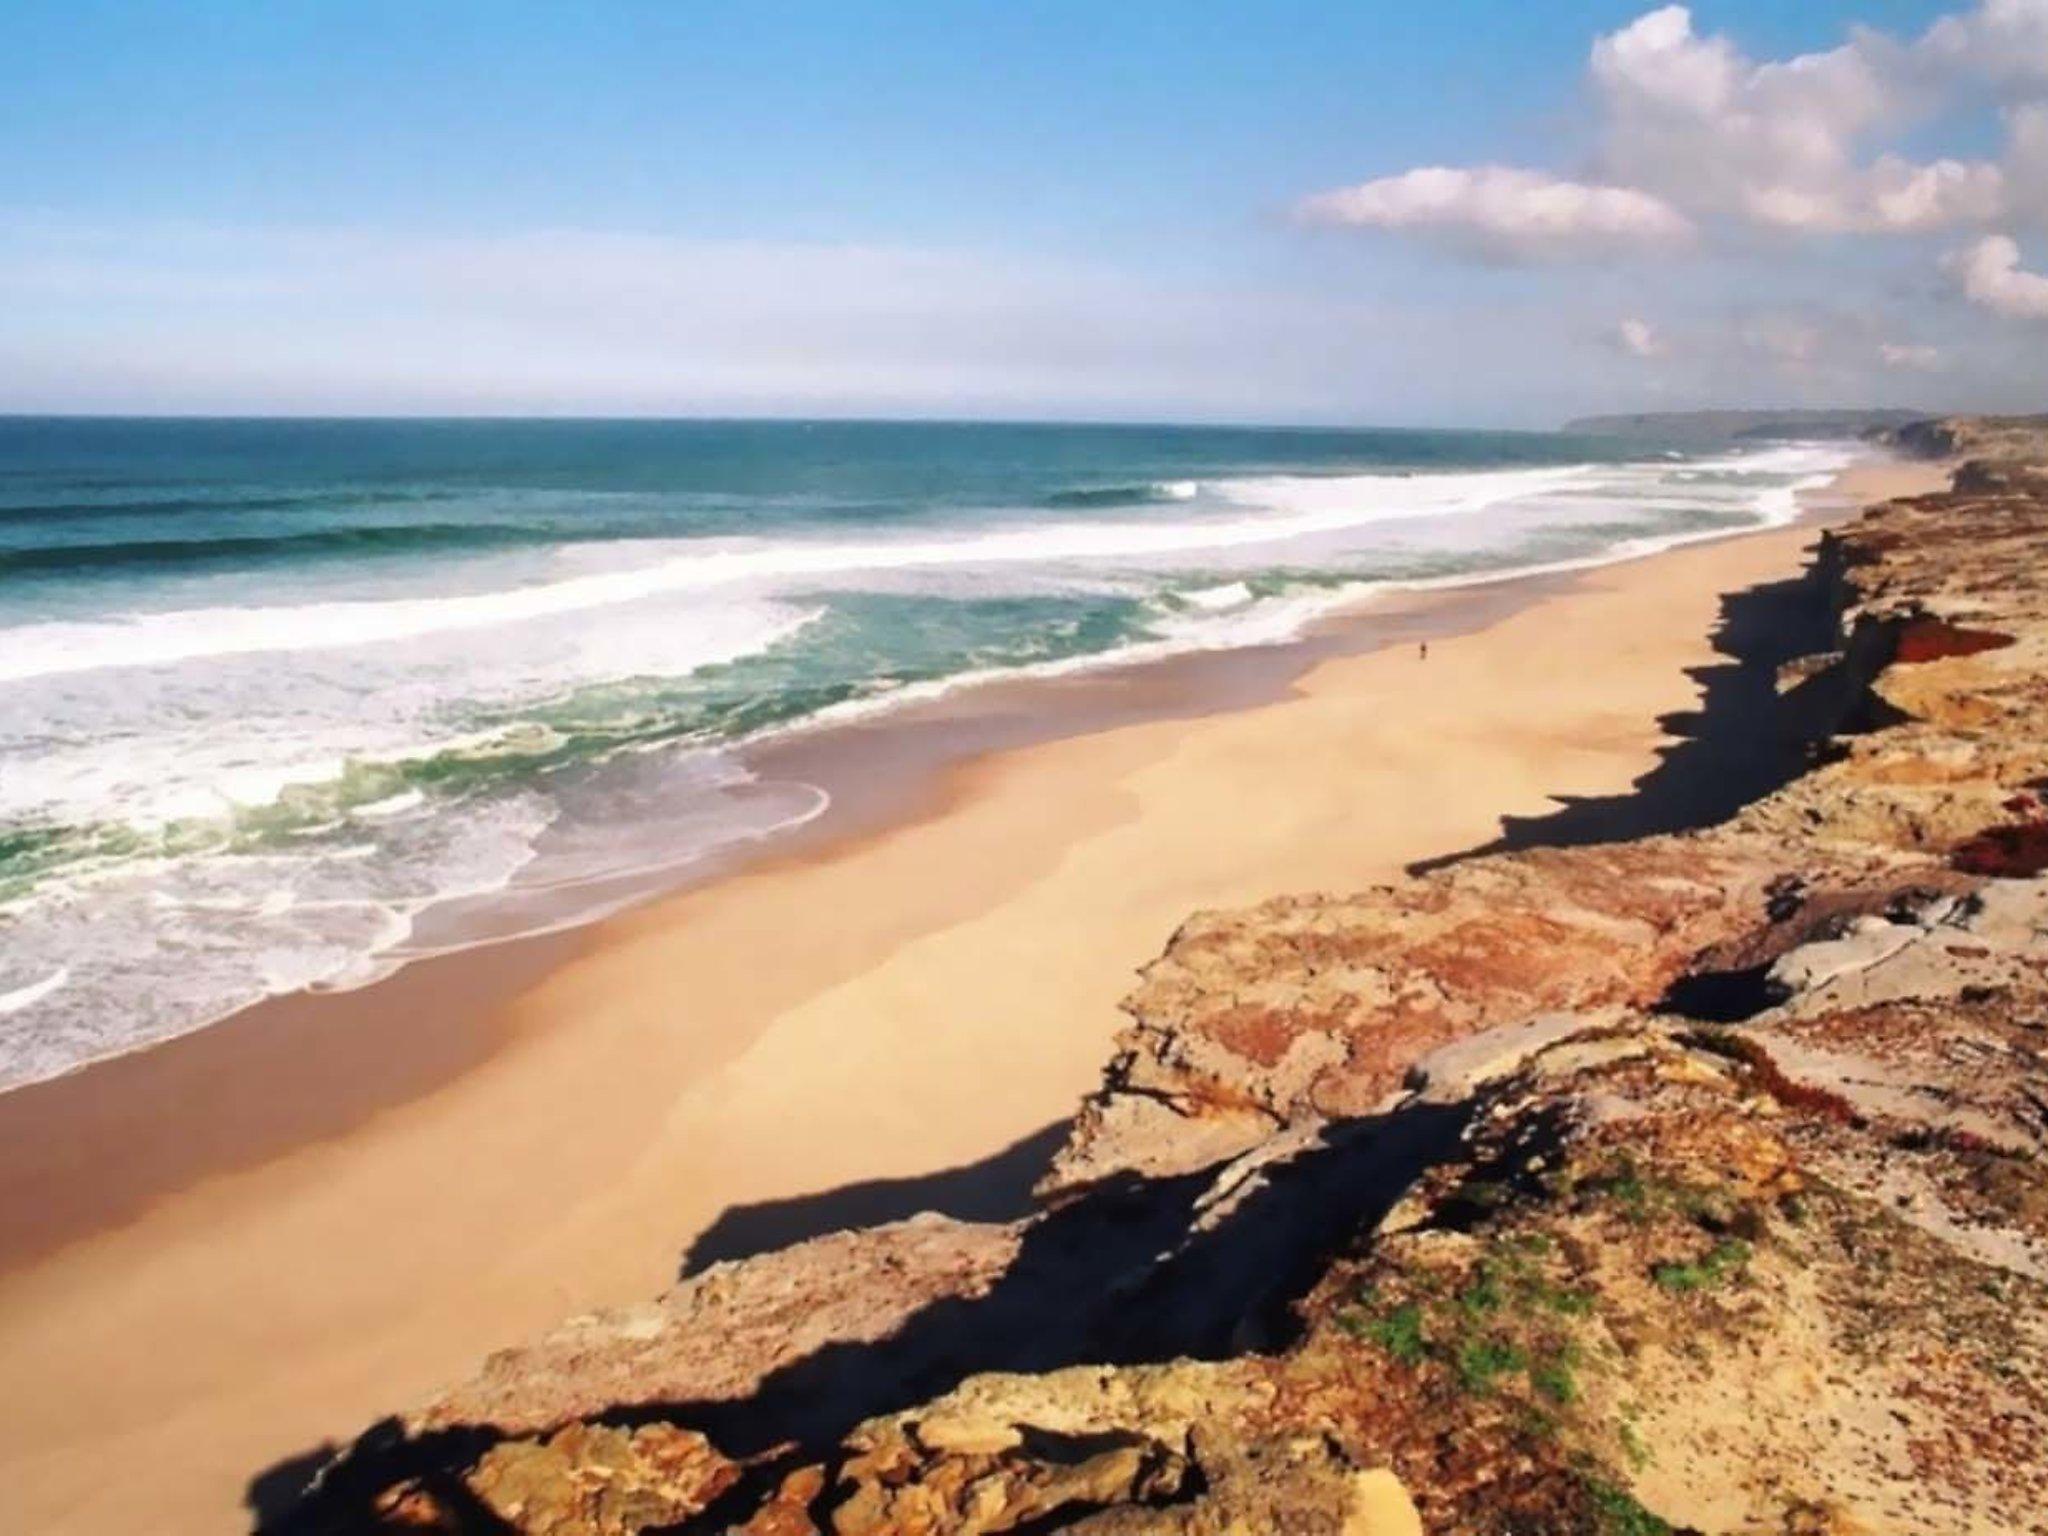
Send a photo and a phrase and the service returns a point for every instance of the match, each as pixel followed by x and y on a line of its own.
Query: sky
pixel 1474 212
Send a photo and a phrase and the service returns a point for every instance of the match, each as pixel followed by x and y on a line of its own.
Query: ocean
pixel 274 693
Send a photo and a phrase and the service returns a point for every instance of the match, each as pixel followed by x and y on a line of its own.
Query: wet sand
pixel 225 1250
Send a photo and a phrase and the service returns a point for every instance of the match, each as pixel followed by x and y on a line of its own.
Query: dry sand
pixel 913 999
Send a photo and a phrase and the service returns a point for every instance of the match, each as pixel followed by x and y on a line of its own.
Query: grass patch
pixel 1629 1190
pixel 1723 1261
pixel 1481 1360
pixel 1503 1319
pixel 1632 1446
pixel 1483 1297
pixel 1555 1379
pixel 1399 1333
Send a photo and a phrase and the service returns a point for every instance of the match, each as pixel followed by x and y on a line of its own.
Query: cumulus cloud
pixel 1691 132
pixel 1990 276
pixel 1775 143
pixel 1638 338
pixel 2003 41
pixel 1502 211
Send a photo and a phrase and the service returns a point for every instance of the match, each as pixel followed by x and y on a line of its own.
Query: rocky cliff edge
pixel 1692 1182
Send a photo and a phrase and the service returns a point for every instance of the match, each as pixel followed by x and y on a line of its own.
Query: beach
pixel 226 1251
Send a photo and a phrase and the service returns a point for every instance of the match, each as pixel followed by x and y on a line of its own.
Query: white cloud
pixel 2026 160
pixel 1638 338
pixel 1990 276
pixel 2003 41
pixel 1691 132
pixel 1922 359
pixel 1892 196
pixel 1505 212
pixel 1775 143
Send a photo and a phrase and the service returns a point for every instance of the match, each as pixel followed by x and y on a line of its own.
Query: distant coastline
pixel 1744 426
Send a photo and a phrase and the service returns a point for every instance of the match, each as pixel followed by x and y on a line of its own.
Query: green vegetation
pixel 1398 1332
pixel 1641 1197
pixel 1724 1260
pixel 1630 1191
pixel 1481 1359
pixel 1555 1377
pixel 1505 1319
pixel 1632 1445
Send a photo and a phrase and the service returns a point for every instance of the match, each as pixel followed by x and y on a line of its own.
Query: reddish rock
pixel 2018 849
pixel 1925 640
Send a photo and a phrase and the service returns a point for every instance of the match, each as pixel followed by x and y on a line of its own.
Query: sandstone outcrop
pixel 1689 1182
pixel 718 1335
pixel 1975 437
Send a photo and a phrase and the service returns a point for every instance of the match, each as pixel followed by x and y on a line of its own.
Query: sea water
pixel 273 691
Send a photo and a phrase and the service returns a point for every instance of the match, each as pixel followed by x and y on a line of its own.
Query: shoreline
pixel 891 772
pixel 1152 680
pixel 376 1149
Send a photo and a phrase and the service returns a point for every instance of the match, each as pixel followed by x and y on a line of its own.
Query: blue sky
pixel 997 208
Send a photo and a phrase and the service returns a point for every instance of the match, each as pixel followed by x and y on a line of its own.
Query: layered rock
pixel 1975 437
pixel 1693 1181
pixel 719 1335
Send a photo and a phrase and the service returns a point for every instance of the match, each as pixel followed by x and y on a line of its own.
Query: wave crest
pixel 1143 493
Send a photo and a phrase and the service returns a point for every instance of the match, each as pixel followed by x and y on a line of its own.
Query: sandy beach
pixel 227 1251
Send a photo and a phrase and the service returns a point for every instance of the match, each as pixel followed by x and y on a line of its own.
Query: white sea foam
pixel 1288 615
pixel 1232 594
pixel 158 748
pixel 20 997
pixel 1295 507
pixel 391 805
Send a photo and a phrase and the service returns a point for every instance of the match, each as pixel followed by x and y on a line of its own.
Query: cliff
pixel 2022 439
pixel 1687 1182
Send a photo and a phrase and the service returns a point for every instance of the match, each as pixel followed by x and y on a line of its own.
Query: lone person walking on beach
pixel 1425 651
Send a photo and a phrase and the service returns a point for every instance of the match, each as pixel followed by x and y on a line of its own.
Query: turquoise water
pixel 271 690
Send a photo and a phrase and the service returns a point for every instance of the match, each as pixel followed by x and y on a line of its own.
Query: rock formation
pixel 1978 438
pixel 1693 1182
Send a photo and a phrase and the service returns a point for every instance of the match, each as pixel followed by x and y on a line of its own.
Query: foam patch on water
pixel 1290 508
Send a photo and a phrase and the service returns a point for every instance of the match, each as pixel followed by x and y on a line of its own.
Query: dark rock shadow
pixel 332 1495
pixel 996 1189
pixel 1135 1270
pixel 277 1489
pixel 1742 742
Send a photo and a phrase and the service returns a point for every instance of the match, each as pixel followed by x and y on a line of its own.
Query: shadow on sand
pixel 1743 741
pixel 996 1189
pixel 1127 1273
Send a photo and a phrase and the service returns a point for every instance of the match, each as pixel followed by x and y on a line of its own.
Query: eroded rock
pixel 1691 1182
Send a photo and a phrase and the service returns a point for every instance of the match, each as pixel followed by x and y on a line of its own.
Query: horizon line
pixel 1105 423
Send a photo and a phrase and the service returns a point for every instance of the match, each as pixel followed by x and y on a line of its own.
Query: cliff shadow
pixel 1743 741
pixel 1204 1265
pixel 996 1189
pixel 1133 1271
